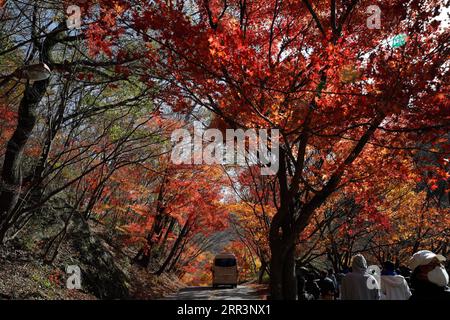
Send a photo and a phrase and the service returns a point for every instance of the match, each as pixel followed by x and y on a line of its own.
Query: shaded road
pixel 208 293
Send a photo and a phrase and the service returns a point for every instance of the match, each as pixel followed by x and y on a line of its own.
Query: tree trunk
pixel 173 251
pixel 178 257
pixel 144 255
pixel 262 271
pixel 289 280
pixel 276 272
pixel 163 242
pixel 282 242
pixel 282 272
pixel 11 175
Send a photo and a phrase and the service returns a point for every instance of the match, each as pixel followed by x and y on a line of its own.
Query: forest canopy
pixel 91 93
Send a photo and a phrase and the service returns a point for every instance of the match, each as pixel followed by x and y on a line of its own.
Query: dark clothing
pixel 339 278
pixel 301 284
pixel 313 289
pixel 425 290
pixel 327 286
pixel 334 279
pixel 388 273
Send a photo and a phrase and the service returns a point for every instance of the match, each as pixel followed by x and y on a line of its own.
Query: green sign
pixel 399 40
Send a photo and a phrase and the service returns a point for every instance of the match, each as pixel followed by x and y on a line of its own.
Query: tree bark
pixel 289 280
pixel 143 257
pixel 11 175
pixel 181 236
pixel 262 271
pixel 276 272
pixel 287 226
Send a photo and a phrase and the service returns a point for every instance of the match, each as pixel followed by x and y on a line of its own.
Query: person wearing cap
pixel 429 278
pixel 358 284
pixel 393 285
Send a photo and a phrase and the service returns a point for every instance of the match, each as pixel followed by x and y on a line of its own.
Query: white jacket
pixel 394 288
pixel 355 285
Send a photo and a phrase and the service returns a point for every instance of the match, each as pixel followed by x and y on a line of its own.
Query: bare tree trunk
pixel 144 255
pixel 177 258
pixel 177 243
pixel 162 245
pixel 262 271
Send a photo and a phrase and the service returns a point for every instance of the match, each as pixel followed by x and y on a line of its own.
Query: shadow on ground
pixel 221 293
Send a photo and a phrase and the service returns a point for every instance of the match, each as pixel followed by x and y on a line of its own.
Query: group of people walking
pixel 426 279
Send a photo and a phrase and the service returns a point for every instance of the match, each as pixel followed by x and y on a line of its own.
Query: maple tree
pixel 355 113
pixel 407 220
pixel 251 213
pixel 188 199
pixel 279 64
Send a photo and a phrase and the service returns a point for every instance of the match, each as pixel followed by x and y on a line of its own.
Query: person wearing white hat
pixel 429 278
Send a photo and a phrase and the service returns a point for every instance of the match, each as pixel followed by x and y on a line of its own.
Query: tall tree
pixel 286 65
